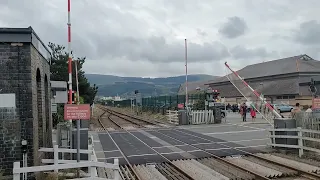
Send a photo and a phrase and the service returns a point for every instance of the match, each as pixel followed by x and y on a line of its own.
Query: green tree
pixel 200 103
pixel 59 72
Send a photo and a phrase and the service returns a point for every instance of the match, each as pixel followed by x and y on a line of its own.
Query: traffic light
pixel 136 92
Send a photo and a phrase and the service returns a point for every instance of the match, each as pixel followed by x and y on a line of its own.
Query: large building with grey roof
pixel 193 87
pixel 283 80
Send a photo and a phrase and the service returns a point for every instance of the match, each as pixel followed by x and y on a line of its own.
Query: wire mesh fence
pixel 168 102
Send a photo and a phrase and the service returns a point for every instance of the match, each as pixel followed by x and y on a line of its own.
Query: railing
pixel 172 117
pixel 67 164
pixel 202 117
pixel 301 137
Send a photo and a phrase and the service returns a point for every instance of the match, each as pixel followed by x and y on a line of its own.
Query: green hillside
pixel 110 85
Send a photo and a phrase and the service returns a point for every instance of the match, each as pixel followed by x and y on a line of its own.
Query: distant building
pixel 193 87
pixel 281 81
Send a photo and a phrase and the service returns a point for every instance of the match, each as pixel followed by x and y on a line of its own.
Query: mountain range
pixel 110 85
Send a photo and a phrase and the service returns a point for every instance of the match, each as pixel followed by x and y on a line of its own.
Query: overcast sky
pixel 146 37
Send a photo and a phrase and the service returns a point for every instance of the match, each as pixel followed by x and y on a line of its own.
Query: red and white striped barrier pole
pixel 254 92
pixel 70 55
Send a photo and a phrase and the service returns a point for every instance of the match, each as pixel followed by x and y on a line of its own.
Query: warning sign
pixel 316 103
pixel 180 106
pixel 75 112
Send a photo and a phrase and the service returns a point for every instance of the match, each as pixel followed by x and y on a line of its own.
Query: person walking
pixel 253 113
pixel 295 110
pixel 244 112
pixel 309 110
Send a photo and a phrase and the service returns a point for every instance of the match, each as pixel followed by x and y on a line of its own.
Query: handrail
pixel 301 146
pixel 91 164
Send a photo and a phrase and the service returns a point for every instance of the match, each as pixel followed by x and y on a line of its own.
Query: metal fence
pixel 170 102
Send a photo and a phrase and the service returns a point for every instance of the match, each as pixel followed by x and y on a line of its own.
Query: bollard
pixel 116 171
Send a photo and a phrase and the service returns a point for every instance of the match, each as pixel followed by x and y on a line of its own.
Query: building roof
pixel 300 63
pixel 286 86
pixel 192 86
pixel 24 35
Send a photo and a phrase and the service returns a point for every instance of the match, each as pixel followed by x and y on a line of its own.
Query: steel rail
pixel 123 155
pixel 168 161
pixel 300 171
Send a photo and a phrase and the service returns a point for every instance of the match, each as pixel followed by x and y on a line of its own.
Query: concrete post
pixel 55 157
pixel 300 142
pixel 16 176
pixel 116 171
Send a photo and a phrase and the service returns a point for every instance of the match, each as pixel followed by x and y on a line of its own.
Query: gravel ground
pixel 145 115
pixel 312 160
pixel 97 112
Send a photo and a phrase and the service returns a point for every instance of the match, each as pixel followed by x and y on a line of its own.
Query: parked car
pixel 282 107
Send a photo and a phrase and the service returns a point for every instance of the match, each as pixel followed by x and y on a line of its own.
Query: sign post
pixel 77 112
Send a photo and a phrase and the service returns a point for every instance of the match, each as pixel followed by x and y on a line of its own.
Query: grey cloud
pixel 240 52
pixel 233 28
pixel 201 33
pixel 156 49
pixel 308 33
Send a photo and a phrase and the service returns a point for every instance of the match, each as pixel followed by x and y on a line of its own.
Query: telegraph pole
pixel 186 58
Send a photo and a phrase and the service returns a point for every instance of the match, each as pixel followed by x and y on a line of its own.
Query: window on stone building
pixel 286 97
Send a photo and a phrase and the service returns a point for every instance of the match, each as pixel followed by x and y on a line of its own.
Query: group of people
pixel 243 111
pixel 297 109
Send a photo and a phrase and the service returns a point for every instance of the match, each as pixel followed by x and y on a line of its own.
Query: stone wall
pixel 18 74
pixel 15 78
pixel 41 111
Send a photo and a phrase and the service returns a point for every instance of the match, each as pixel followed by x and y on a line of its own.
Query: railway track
pixel 130 172
pixel 249 166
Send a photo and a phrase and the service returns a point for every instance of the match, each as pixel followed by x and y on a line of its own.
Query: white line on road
pixel 233 132
pixel 201 127
pixel 245 140
pixel 107 151
pixel 157 147
pixel 244 125
pixel 139 155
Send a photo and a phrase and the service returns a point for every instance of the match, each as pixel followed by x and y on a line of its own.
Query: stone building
pixel 24 95
pixel 281 81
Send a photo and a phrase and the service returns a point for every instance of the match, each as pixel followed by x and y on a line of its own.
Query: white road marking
pixel 234 132
pixel 107 151
pixel 240 147
pixel 169 146
pixel 201 127
pixel 139 155
pixel 245 140
pixel 244 125
pixel 110 158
